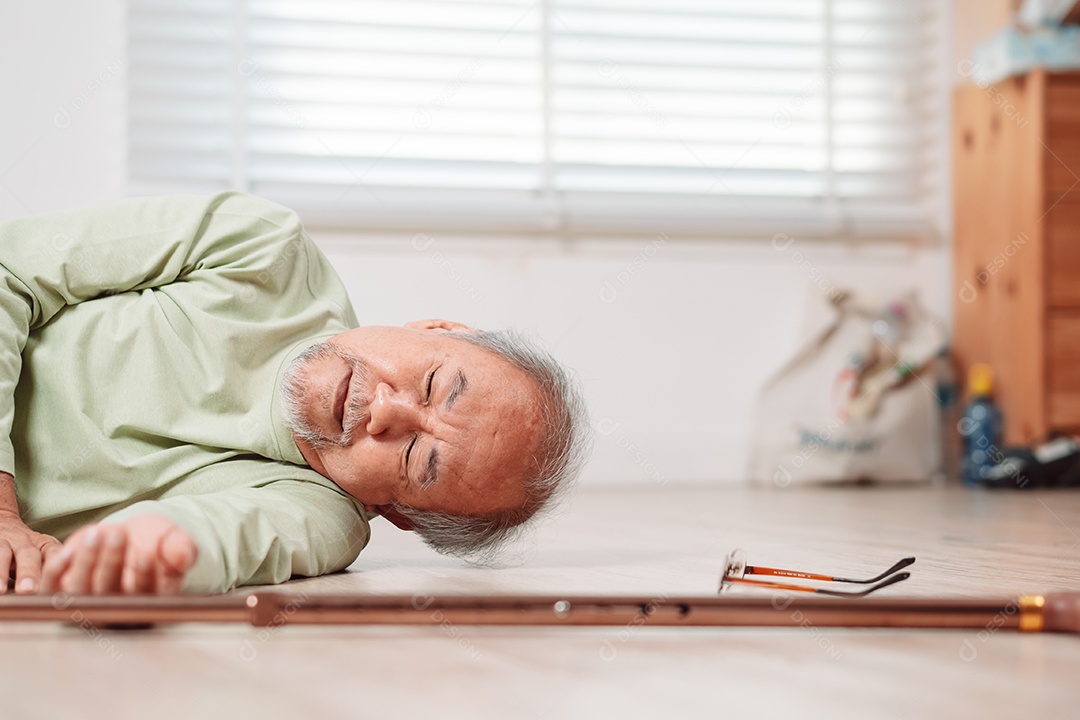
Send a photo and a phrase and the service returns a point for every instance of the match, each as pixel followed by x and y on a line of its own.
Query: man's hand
pixel 24 549
pixel 144 555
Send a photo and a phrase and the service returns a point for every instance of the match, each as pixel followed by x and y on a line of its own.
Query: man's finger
pixel 27 570
pixel 169 582
pixel 77 578
pixel 178 551
pixel 53 547
pixel 54 569
pixel 110 563
pixel 142 574
pixel 5 567
pixel 178 554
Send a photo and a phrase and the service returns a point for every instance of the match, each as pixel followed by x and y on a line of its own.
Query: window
pixel 712 117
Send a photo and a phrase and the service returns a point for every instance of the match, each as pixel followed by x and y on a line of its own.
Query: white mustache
pixel 357 414
pixel 295 390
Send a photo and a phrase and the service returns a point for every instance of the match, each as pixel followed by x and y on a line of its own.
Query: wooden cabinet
pixel 1016 269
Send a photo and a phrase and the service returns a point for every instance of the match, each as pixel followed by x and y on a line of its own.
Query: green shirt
pixel 142 346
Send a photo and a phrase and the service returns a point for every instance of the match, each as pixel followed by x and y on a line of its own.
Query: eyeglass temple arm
pixel 757 570
pixel 821 591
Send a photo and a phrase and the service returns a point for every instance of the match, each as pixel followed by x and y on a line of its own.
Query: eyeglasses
pixel 735 570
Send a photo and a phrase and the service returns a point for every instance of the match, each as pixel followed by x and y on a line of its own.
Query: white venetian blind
pixel 706 116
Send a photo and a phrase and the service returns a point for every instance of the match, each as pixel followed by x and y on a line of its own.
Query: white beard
pixel 294 388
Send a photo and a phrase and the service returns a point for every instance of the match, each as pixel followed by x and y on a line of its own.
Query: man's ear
pixel 437 324
pixel 390 513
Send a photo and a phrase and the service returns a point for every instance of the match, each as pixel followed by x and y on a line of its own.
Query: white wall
pixel 671 350
pixel 62 100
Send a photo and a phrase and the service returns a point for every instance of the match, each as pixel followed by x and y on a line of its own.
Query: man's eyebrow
pixel 460 383
pixel 431 475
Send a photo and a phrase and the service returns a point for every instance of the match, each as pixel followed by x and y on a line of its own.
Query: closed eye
pixel 430 382
pixel 408 451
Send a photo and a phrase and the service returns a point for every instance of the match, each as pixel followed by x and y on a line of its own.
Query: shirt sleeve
pixel 51 261
pixel 263 535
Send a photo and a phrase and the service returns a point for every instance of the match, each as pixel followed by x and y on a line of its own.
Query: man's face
pixel 412 416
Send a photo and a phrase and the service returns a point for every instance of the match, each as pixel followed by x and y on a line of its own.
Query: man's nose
pixel 392 412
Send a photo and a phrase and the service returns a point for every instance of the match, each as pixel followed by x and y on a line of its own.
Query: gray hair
pixel 563 449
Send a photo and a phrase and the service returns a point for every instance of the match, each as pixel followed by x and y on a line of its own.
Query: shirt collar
pixel 283 437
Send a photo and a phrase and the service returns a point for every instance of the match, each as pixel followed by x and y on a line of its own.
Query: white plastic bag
pixel 857 401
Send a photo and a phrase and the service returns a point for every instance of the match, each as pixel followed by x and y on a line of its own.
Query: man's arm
pixel 20 547
pixel 260 535
pixel 53 261
pixel 50 262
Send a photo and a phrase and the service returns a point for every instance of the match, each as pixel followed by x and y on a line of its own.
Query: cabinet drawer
pixel 1062 159
pixel 1063 254
pixel 1063 370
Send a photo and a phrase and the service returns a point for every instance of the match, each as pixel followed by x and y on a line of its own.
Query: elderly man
pixel 189 403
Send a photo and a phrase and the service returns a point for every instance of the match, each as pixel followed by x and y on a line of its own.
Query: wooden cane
pixel 1052 612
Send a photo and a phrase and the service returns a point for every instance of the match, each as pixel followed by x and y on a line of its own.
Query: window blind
pixel 819 117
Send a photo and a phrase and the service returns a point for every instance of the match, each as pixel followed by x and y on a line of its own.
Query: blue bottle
pixel 980 427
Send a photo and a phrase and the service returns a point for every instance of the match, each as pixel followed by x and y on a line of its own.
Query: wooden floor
pixel 657 541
